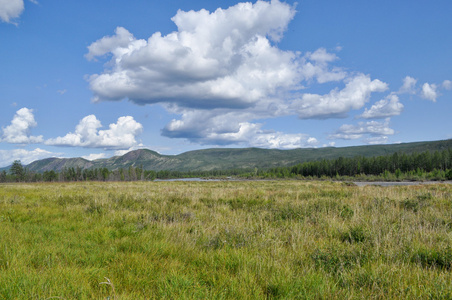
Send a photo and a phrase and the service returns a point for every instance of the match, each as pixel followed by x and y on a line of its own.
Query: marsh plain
pixel 225 240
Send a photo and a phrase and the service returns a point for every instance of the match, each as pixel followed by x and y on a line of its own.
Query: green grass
pixel 225 240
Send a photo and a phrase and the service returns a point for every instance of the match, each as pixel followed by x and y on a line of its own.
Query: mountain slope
pixel 227 158
pixel 57 164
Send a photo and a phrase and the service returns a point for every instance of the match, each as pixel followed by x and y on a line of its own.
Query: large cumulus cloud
pixel 225 68
pixel 222 73
pixel 220 59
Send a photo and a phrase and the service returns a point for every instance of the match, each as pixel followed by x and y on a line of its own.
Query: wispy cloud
pixel 447 84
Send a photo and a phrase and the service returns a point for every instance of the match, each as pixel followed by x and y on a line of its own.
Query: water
pixel 393 183
pixel 187 179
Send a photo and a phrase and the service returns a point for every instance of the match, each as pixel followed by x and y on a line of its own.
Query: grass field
pixel 223 240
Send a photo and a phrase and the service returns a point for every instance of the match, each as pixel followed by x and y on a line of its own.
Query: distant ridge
pixel 232 158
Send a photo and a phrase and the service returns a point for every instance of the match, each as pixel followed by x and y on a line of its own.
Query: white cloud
pixel 120 135
pixel 226 128
pixel 312 141
pixel 330 144
pixel 339 102
pixel 315 65
pixel 221 59
pixel 376 140
pixel 429 92
pixel 7 157
pixel 121 152
pixel 120 41
pixel 225 69
pixel 229 126
pixel 390 106
pixel 376 131
pixel 94 156
pixel 252 135
pixel 409 86
pixel 222 73
pixel 213 121
pixel 447 84
pixel 19 130
pixel 10 9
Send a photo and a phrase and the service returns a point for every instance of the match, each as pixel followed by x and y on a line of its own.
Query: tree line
pixel 398 166
pixel 19 173
pixel 437 165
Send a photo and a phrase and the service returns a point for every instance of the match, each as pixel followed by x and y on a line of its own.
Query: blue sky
pixel 100 78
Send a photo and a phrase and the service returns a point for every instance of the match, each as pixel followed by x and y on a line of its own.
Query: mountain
pixel 229 158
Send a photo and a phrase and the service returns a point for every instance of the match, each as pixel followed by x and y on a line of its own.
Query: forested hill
pixel 226 159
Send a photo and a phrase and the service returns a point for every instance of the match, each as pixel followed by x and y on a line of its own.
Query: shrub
pixel 449 174
pixel 347 212
pixel 354 235
pixel 433 258
pixel 416 204
pixel 333 260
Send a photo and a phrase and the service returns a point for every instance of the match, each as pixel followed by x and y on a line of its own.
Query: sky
pixel 95 79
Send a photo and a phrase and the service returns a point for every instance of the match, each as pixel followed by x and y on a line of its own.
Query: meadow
pixel 225 240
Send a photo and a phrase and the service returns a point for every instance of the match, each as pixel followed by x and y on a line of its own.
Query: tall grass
pixel 221 240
